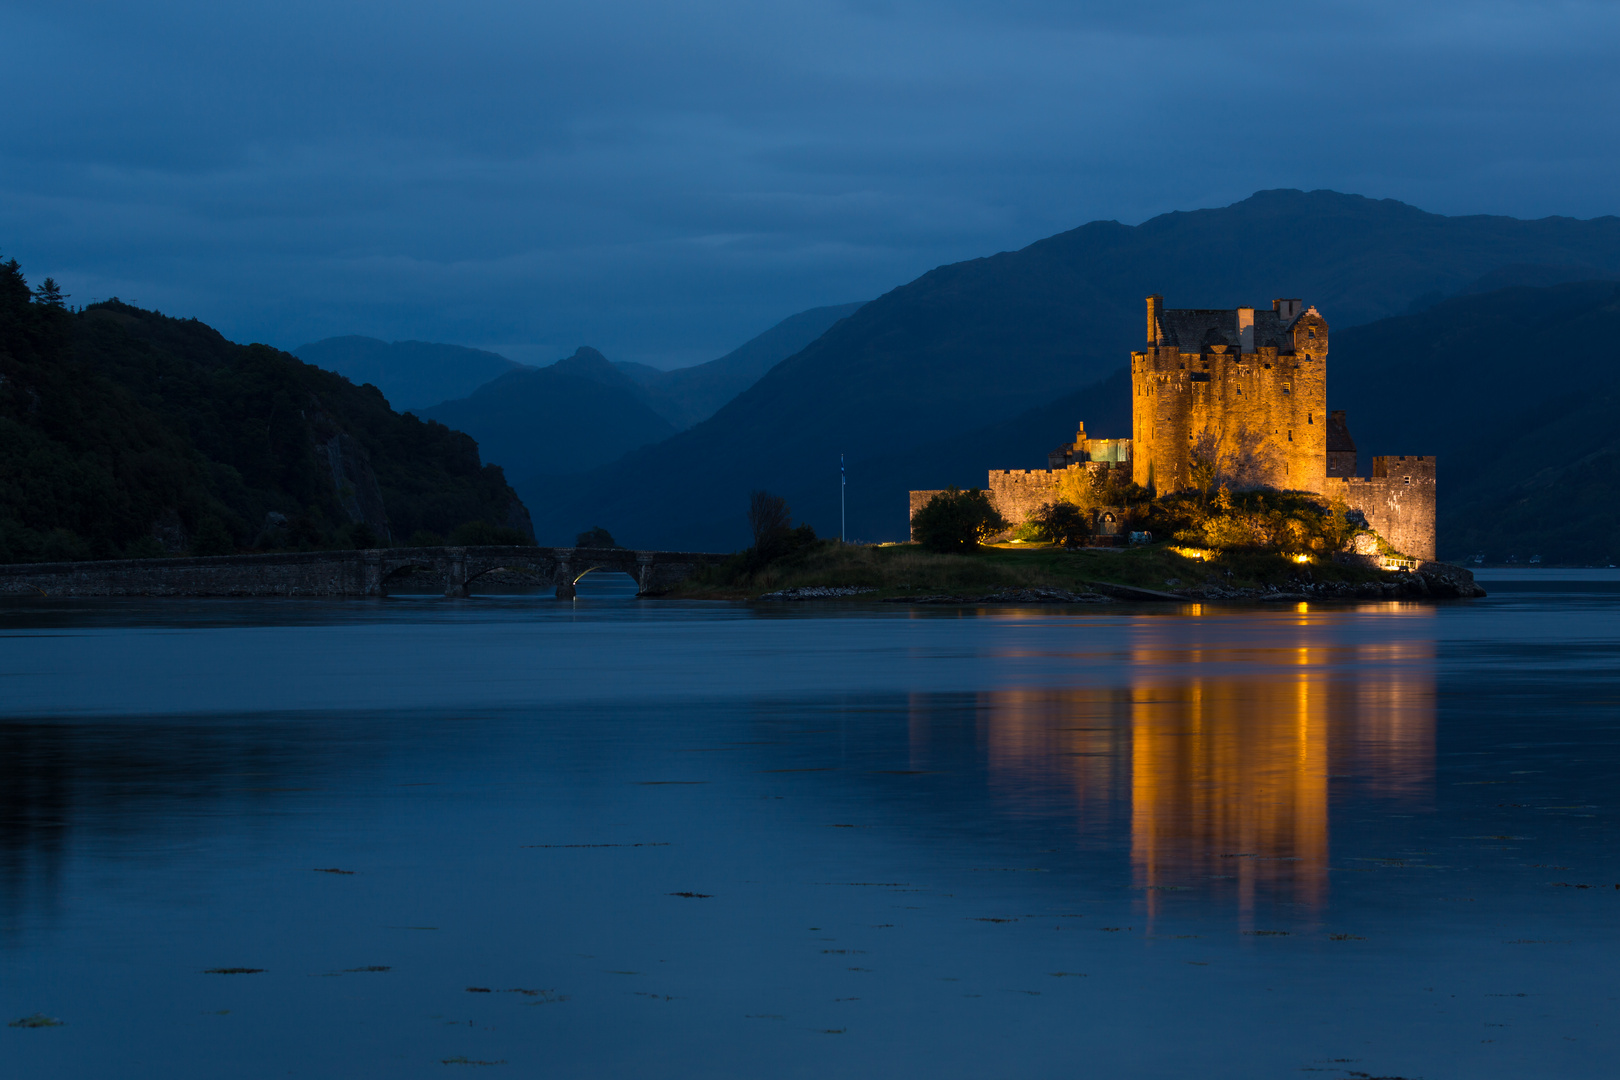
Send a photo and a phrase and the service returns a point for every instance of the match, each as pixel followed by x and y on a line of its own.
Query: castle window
pixel 1309 419
pixel 1406 479
pixel 1288 388
pixel 1290 436
pixel 1311 331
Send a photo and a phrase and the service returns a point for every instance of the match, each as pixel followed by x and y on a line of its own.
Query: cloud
pixel 663 180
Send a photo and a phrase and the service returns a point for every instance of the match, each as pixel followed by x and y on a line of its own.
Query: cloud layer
pixel 663 180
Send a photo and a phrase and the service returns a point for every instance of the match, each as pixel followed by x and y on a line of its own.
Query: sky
pixel 663 179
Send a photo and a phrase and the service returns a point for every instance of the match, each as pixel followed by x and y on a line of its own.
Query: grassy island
pixel 899 570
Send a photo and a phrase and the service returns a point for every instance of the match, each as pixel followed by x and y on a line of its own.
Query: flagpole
pixel 842 482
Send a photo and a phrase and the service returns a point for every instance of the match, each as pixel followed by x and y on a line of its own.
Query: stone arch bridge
pixel 348 573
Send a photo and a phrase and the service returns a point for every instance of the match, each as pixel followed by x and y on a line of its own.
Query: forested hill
pixel 126 433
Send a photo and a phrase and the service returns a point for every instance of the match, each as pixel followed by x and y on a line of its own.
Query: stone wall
pixel 1018 493
pixel 1397 500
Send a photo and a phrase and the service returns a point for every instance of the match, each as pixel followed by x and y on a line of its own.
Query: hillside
pixel 1515 392
pixel 411 374
pixel 975 344
pixel 124 432
pixel 688 395
pixel 573 415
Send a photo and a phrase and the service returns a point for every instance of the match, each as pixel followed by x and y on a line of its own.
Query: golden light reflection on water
pixel 1221 758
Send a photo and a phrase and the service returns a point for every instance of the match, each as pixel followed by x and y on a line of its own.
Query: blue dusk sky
pixel 663 180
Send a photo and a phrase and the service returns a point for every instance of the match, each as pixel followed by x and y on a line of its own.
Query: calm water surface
pixel 625 838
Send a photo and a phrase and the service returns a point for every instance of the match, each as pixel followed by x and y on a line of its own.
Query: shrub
pixel 483 534
pixel 1281 521
pixel 360 536
pixel 768 517
pixel 956 520
pixel 145 547
pixel 212 538
pixel 596 537
pixel 1061 523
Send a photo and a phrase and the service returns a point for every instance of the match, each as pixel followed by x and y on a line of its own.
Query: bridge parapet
pixel 342 573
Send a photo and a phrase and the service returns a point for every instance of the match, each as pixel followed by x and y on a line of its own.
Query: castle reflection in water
pixel 1219 763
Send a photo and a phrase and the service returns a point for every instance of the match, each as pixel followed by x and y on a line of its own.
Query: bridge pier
pixel 372 572
pixel 566 589
pixel 455 573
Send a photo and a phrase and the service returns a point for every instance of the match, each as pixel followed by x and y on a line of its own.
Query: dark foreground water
pixel 628 839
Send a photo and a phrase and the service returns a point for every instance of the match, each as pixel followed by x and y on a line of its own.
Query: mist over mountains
pixel 412 375
pixel 572 415
pixel 686 396
pixel 584 410
pixel 934 382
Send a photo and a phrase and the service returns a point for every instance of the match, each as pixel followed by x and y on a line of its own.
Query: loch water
pixel 620 838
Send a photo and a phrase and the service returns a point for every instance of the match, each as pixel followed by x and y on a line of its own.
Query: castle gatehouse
pixel 1242 391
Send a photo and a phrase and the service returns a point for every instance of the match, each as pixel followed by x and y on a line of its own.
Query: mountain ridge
pixel 971 344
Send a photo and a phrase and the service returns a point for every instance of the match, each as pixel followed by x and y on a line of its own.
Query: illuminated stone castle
pixel 1243 390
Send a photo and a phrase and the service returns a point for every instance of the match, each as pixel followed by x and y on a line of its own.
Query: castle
pixel 1243 390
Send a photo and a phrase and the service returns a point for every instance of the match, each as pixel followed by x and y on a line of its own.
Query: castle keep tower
pixel 1244 389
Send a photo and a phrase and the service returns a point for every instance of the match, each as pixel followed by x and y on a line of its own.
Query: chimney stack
pixel 1245 329
pixel 1155 304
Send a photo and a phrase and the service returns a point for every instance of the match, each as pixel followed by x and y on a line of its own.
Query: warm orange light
pixel 1302 558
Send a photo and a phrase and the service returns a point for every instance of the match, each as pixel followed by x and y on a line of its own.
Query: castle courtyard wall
pixel 1398 501
pixel 1018 493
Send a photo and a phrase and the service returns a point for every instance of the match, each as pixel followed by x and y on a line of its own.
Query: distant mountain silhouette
pixel 567 417
pixel 688 395
pixel 969 346
pixel 1515 392
pixel 411 374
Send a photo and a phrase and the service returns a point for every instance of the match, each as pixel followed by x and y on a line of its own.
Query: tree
pixel 596 537
pixel 1203 467
pixel 362 537
pixel 956 520
pixel 768 517
pixel 50 294
pixel 213 539
pixel 1062 523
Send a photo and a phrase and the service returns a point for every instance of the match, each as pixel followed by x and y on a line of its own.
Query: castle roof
pixel 1192 329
